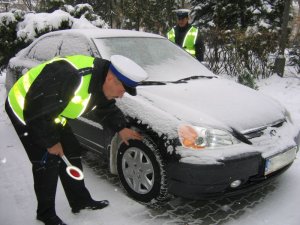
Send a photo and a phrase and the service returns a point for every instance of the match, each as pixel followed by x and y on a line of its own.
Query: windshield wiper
pixel 183 80
pixel 152 83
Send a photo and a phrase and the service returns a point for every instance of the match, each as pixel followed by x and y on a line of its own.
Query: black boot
pixel 54 220
pixel 94 205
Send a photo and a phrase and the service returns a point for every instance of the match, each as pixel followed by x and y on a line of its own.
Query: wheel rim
pixel 138 170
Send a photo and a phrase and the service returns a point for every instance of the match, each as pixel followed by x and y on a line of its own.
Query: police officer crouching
pixel 186 35
pixel 42 101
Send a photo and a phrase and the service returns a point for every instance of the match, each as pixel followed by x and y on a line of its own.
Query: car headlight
pixel 201 138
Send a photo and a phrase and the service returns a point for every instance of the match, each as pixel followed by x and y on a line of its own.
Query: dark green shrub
pixel 247 79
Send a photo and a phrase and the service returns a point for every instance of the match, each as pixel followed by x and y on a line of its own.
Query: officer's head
pixel 182 17
pixel 124 75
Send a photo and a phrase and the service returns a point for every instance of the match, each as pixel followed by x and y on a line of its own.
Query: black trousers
pixel 46 168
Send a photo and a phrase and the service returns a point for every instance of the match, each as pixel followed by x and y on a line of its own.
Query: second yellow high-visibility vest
pixel 189 40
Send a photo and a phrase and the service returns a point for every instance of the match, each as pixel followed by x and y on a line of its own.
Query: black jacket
pixel 51 92
pixel 180 33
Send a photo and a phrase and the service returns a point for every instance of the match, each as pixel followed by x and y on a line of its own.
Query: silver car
pixel 204 135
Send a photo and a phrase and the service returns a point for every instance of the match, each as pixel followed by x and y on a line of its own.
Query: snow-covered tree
pixel 230 14
pixel 148 15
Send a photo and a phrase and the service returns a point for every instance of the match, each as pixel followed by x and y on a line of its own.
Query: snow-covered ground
pixel 18 203
pixel 17 198
pixel 280 207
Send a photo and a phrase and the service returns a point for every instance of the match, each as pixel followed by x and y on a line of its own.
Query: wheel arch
pixel 149 135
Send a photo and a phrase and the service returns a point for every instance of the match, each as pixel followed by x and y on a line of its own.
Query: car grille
pixel 257 132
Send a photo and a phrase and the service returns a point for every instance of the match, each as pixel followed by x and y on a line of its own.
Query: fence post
pixel 280 60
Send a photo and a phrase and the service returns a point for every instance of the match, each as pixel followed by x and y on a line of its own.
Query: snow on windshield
pixel 162 60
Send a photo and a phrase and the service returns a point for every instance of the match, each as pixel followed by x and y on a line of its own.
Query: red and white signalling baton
pixel 72 171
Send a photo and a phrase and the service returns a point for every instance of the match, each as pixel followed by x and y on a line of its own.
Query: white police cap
pixel 181 13
pixel 128 72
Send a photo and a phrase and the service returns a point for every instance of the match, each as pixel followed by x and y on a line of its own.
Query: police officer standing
pixel 42 101
pixel 187 36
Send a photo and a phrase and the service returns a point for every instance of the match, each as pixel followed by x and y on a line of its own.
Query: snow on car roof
pixel 98 32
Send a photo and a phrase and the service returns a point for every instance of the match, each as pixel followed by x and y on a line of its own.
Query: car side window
pixel 73 45
pixel 45 49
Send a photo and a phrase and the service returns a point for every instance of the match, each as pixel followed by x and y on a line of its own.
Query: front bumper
pixel 196 181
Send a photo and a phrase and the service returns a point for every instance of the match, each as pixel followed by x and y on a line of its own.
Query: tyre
pixel 141 171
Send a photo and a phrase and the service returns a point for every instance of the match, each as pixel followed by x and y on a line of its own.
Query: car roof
pixel 98 33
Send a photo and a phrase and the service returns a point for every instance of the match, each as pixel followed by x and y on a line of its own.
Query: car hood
pixel 213 102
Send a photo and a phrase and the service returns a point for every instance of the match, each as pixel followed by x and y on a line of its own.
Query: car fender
pixel 114 147
pixel 113 151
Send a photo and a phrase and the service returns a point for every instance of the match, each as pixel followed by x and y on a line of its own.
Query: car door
pixel 90 134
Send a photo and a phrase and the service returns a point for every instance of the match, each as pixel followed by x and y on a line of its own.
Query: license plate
pixel 276 162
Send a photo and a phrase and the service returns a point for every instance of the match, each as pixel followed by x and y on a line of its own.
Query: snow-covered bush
pixel 232 51
pixel 83 9
pixel 86 11
pixel 294 57
pixel 37 24
pixel 247 79
pixel 9 42
pixel 240 35
pixel 18 29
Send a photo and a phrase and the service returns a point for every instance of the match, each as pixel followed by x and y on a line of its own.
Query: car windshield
pixel 163 60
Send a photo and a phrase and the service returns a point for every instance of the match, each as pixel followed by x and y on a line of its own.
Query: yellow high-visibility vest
pixel 75 107
pixel 189 40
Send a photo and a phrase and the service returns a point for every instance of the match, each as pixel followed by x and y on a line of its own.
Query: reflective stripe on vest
pixel 78 103
pixel 189 39
pixel 171 35
pixel 75 107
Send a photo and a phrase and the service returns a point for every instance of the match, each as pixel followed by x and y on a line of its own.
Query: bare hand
pixel 56 150
pixel 127 134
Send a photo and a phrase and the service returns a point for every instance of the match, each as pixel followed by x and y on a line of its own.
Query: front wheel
pixel 141 171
